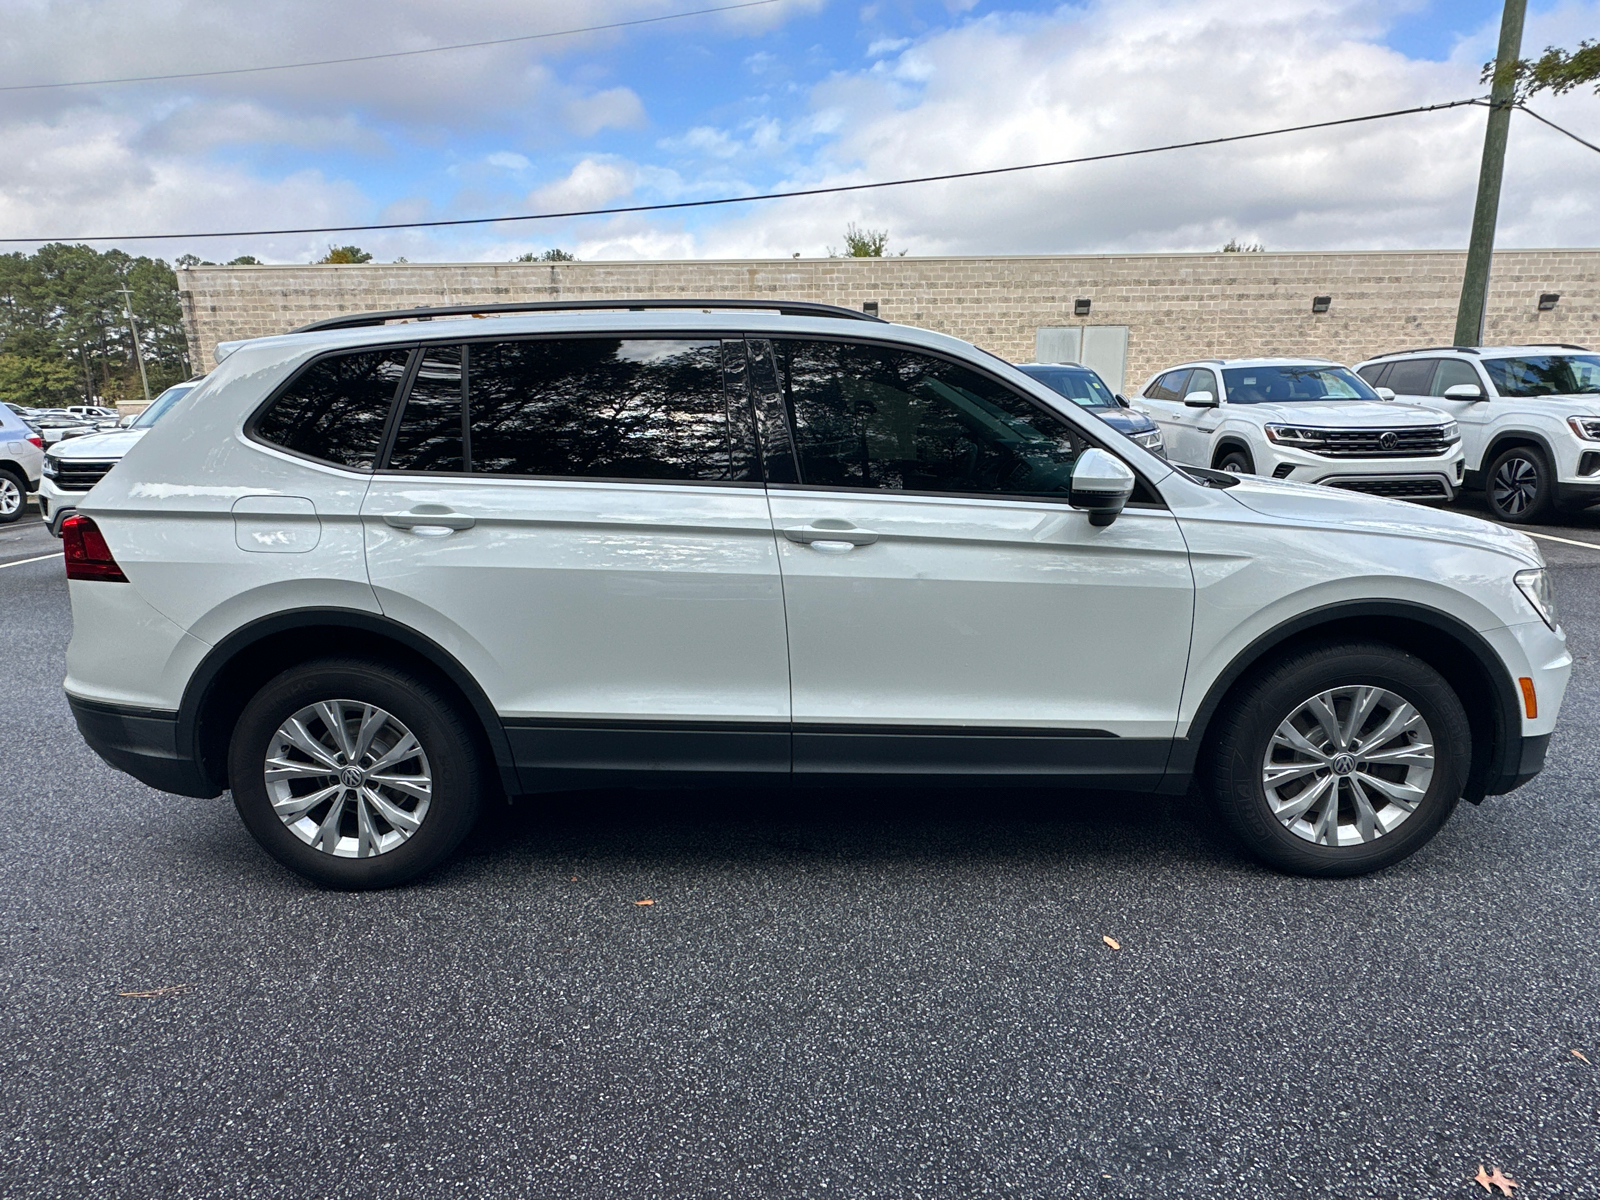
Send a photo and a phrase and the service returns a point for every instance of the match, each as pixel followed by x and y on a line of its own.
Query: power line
pixel 1558 128
pixel 819 191
pixel 360 58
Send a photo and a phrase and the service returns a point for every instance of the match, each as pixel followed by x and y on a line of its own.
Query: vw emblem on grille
pixel 1388 439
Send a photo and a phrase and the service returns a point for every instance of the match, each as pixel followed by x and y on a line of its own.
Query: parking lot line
pixel 18 562
pixel 1550 537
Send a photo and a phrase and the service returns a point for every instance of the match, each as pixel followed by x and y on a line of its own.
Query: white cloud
pixel 887 46
pixel 505 160
pixel 614 108
pixel 590 184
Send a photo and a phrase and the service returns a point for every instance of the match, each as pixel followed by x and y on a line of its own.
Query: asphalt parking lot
pixel 847 995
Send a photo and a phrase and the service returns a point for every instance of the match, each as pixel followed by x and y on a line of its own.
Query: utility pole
pixel 1480 250
pixel 138 351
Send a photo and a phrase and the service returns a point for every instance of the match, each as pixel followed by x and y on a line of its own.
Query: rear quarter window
pixel 335 410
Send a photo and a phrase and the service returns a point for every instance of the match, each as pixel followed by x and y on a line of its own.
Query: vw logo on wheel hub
pixel 1344 764
pixel 1388 439
pixel 352 777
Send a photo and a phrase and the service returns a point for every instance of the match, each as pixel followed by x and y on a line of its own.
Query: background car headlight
pixel 1450 432
pixel 1151 440
pixel 1289 435
pixel 1588 428
pixel 51 467
pixel 1534 583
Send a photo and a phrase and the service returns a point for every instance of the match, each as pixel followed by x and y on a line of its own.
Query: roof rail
pixel 1423 350
pixel 1556 346
pixel 787 308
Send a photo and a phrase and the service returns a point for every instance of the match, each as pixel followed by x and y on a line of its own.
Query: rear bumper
pixel 143 743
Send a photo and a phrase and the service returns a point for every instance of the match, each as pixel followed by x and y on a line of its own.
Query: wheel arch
pixel 1232 441
pixel 249 656
pixel 1451 647
pixel 1510 438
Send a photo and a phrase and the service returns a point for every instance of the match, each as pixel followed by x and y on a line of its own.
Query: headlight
pixel 1289 435
pixel 51 467
pixel 1450 432
pixel 1151 440
pixel 1588 428
pixel 1534 583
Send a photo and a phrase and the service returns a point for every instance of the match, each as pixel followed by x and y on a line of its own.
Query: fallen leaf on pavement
pixel 639 902
pixel 176 989
pixel 1111 941
pixel 1582 1055
pixel 1504 1182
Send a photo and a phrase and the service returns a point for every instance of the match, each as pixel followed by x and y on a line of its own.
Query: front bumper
pixel 55 505
pixel 1434 477
pixel 143 743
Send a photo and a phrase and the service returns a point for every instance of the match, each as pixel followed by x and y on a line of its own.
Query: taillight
pixel 35 440
pixel 88 556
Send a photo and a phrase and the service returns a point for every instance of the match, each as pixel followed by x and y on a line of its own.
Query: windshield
pixel 1291 385
pixel 1546 375
pixel 1076 384
pixel 159 406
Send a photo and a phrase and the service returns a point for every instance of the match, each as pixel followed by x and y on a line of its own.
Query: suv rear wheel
pixel 1519 486
pixel 354 775
pixel 13 497
pixel 1341 759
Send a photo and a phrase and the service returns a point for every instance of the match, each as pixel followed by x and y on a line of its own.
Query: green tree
pixel 1235 246
pixel 554 254
pixel 35 382
pixel 344 254
pixel 1557 71
pixel 245 260
pixel 863 243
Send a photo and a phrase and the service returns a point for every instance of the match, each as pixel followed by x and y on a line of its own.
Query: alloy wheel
pixel 1515 485
pixel 1348 765
pixel 10 496
pixel 348 778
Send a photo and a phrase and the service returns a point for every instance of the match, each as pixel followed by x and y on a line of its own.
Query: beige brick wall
pixel 1177 306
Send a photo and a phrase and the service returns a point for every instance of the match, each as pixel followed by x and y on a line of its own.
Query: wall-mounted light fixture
pixel 1321 304
pixel 1080 307
pixel 870 307
pixel 1547 300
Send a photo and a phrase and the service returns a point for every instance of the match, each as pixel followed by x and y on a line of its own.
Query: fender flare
pixel 1505 706
pixel 221 656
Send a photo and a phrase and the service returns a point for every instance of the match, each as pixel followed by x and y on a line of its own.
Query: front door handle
pixel 429 516
pixel 826 531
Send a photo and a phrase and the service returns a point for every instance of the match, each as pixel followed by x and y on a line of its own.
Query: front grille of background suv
pixel 81 474
pixel 1369 443
pixel 1426 487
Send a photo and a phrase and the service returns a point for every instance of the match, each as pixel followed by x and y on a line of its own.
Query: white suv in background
pixel 1529 418
pixel 1303 419
pixel 21 452
pixel 372 574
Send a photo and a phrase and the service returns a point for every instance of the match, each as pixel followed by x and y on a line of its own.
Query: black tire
pixel 1236 462
pixel 452 760
pixel 10 480
pixel 1255 711
pixel 1520 486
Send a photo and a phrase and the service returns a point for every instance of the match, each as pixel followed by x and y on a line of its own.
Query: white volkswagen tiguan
pixel 373 573
pixel 1309 420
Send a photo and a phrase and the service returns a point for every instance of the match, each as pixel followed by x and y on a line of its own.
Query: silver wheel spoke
pixel 1361 707
pixel 1278 774
pixel 294 806
pixel 1366 815
pixel 1402 756
pixel 419 786
pixel 396 816
pixel 385 806
pixel 1292 739
pixel 1305 799
pixel 1327 827
pixel 1318 707
pixel 1402 794
pixel 1402 720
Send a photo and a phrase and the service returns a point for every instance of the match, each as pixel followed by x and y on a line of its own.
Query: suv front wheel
pixel 354 775
pixel 1341 759
pixel 1519 486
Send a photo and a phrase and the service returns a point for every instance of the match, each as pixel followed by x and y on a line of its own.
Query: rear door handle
pixel 844 532
pixel 429 516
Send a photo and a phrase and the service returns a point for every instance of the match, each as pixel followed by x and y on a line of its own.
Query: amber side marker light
pixel 88 556
pixel 1530 702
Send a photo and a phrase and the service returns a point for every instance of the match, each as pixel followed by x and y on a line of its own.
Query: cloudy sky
pixel 788 94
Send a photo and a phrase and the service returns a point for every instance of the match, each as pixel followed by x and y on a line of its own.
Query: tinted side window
pixel 1373 373
pixel 1168 387
pixel 880 417
pixel 430 436
pixel 1201 380
pixel 1451 372
pixel 637 408
pixel 336 408
pixel 1413 377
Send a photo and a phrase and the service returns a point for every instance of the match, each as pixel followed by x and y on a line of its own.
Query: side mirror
pixel 1464 391
pixel 1122 401
pixel 1200 400
pixel 1384 393
pixel 1101 485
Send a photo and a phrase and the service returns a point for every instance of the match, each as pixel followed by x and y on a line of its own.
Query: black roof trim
pixel 1557 346
pixel 1423 350
pixel 787 308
